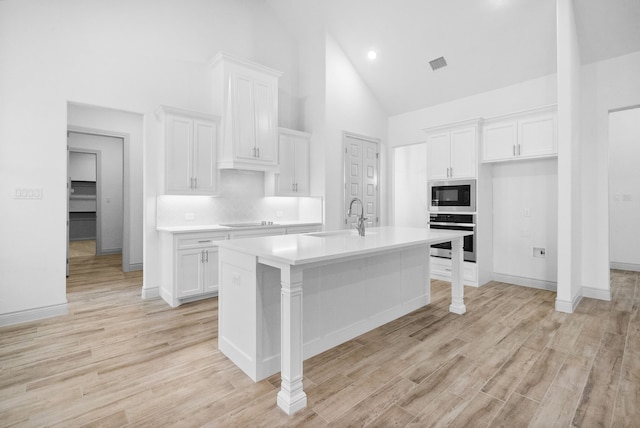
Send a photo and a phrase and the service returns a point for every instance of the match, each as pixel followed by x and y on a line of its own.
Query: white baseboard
pixel 135 266
pixel 525 282
pixel 568 306
pixel 596 293
pixel 150 293
pixel 33 314
pixel 625 266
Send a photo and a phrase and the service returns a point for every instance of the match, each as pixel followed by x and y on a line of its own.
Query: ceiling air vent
pixel 438 63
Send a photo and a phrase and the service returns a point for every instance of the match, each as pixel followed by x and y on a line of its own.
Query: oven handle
pixel 452 224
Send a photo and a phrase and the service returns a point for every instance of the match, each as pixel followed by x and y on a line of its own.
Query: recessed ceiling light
pixel 372 54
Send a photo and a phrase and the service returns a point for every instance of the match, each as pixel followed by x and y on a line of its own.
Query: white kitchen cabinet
pixel 190 141
pixel 451 153
pixel 246 96
pixel 527 135
pixel 190 266
pixel 293 177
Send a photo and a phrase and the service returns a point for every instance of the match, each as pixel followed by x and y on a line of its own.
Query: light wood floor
pixel 511 360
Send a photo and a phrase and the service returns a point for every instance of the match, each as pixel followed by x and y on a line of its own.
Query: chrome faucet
pixel 361 217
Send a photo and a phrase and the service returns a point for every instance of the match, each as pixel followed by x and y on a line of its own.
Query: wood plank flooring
pixel 511 361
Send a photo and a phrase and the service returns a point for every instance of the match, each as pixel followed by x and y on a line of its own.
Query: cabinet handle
pixel 254 153
pixel 514 149
pixel 195 183
pixel 258 149
pixel 205 241
pixel 451 172
pixel 207 254
pixel 202 256
pixel 191 183
pixel 518 149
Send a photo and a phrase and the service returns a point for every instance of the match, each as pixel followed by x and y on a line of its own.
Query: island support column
pixel 457 284
pixel 291 397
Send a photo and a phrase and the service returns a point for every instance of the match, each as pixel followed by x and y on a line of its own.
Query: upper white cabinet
pixel 293 177
pixel 521 136
pixel 451 151
pixel 190 140
pixel 245 94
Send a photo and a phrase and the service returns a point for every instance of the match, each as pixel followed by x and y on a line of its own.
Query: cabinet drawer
pixel 198 240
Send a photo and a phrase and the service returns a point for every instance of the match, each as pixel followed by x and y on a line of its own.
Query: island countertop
pixel 326 246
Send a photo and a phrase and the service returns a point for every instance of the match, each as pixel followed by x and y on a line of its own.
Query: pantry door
pixel 361 177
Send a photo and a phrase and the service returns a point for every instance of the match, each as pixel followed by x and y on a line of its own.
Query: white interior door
pixel 361 177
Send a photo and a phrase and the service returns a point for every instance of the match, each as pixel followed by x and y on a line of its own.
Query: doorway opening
pixel 361 177
pixel 96 221
pixel 624 189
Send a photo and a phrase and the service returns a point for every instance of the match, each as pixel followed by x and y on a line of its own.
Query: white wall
pixel 350 106
pixel 624 188
pixel 125 55
pixel 410 192
pixel 606 85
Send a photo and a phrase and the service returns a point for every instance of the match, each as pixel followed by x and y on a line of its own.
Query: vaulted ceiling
pixel 487 44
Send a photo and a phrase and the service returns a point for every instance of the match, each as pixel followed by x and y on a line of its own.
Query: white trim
pixel 135 266
pixel 633 267
pixel 525 282
pixel 33 314
pixel 596 293
pixel 568 306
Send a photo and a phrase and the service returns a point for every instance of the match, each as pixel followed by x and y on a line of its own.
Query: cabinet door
pixel 204 158
pixel 301 167
pixel 499 141
pixel 178 143
pixel 244 117
pixel 463 153
pixel 210 266
pixel 536 136
pixel 286 176
pixel 438 156
pixel 265 126
pixel 189 272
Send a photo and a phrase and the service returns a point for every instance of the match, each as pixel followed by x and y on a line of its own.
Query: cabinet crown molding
pixel 226 56
pixel 163 110
pixel 459 124
pixel 538 110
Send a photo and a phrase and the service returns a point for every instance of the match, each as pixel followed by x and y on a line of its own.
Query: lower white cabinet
pixel 190 266
pixel 441 269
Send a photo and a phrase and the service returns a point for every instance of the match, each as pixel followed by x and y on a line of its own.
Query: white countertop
pixel 218 227
pixel 326 246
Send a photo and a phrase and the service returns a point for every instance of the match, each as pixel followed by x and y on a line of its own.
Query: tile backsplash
pixel 241 199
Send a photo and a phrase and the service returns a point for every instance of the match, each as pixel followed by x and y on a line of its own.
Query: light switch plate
pixel 31 193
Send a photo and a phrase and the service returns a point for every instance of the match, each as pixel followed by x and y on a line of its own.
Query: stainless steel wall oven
pixel 454 222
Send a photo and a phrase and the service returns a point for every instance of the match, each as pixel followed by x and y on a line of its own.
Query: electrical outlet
pixel 189 216
pixel 279 213
pixel 539 252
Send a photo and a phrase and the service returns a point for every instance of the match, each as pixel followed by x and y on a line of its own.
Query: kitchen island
pixel 351 284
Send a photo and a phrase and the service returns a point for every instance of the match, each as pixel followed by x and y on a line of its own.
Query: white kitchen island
pixel 351 284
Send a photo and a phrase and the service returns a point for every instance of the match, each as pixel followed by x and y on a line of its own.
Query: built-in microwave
pixel 453 195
